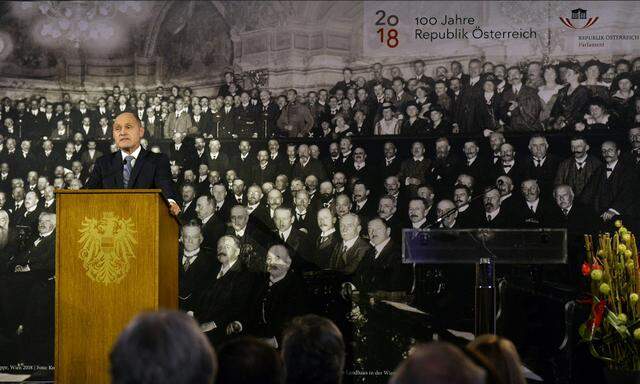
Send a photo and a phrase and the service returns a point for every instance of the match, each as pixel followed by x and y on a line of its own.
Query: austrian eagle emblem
pixel 107 247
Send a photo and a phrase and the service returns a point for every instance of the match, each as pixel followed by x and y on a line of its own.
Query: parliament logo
pixel 578 16
pixel 107 247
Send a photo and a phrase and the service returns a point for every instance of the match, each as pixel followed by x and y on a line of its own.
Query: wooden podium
pixel 116 255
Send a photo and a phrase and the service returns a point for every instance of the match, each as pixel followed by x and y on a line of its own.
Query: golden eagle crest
pixel 107 247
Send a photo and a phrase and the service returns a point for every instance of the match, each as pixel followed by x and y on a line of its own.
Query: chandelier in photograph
pixel 78 22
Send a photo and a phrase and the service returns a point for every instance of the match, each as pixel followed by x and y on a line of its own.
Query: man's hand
pixel 234 327
pixel 607 215
pixel 174 208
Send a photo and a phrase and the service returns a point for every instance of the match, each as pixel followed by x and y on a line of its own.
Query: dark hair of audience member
pixel 503 355
pixel 247 360
pixel 313 351
pixel 164 347
pixel 438 363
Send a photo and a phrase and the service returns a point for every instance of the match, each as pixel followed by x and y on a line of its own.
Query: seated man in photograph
pixel 352 249
pixel 222 306
pixel 197 265
pixel 278 298
pixel 381 270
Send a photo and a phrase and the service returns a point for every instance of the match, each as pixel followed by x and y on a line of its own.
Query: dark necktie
pixel 343 253
pixel 565 212
pixel 126 170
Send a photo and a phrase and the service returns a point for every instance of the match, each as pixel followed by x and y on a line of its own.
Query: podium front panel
pixel 106 272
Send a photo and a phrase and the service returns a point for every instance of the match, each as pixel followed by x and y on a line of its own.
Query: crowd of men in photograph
pixel 278 187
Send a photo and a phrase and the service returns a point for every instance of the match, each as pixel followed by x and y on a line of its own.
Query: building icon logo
pixel 579 16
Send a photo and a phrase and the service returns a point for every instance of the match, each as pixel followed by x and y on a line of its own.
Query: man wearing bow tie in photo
pixel 132 166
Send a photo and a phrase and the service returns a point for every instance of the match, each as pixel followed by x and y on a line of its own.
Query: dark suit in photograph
pixel 224 301
pixel 195 275
pixel 347 261
pixel 151 171
pixel 384 271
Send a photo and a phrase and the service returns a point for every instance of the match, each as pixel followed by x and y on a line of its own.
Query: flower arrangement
pixel 613 328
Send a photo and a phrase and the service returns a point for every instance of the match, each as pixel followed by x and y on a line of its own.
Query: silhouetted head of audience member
pixel 313 351
pixel 503 355
pixel 438 363
pixel 247 360
pixel 162 348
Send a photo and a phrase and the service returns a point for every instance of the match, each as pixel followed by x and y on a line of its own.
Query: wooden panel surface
pixel 93 308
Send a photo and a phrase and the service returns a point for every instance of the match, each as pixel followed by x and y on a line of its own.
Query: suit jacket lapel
pixel 116 166
pixel 137 167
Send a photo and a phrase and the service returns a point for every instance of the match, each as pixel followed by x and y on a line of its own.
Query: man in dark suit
pixel 90 155
pixel 333 162
pixel 197 266
pixel 469 214
pixel 188 213
pixel 390 166
pixel 540 165
pixel 215 159
pixel 494 217
pixel 475 165
pixel 509 165
pixel 444 168
pixel 268 116
pixel 29 218
pixel 382 269
pixel 304 215
pixel 29 271
pixel 46 122
pixel 213 227
pixel 327 238
pixel 259 214
pixel 579 220
pixel 422 213
pixel 580 171
pixel 222 307
pixel 537 211
pixel 253 239
pixel 246 117
pixel 132 166
pixel 295 240
pixel 180 153
pixel 510 203
pixel 616 188
pixel 244 163
pixel 414 171
pixel 202 121
pixel 306 165
pixel 521 105
pixel 352 249
pixel 264 170
pixel 278 297
pixel 227 119
pixel 363 204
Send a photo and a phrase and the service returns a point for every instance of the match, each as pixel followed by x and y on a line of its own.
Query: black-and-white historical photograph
pixel 319 192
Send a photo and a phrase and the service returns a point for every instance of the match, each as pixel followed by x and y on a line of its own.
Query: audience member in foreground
pixel 247 360
pixel 162 348
pixel 504 356
pixel 313 351
pixel 438 363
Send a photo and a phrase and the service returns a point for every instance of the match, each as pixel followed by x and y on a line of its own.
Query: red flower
pixel 586 269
